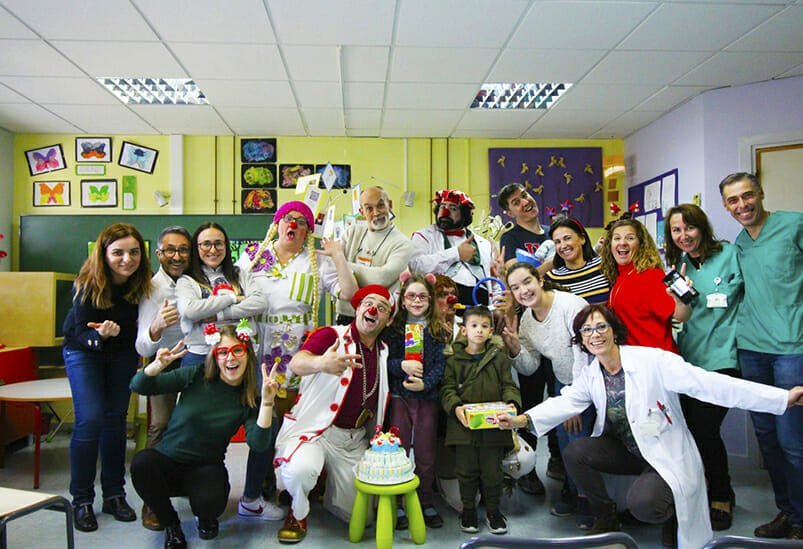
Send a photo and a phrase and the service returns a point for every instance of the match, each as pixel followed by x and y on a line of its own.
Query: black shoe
pixel 555 469
pixel 531 484
pixel 721 519
pixel 497 524
pixel 469 522
pixel 117 506
pixel 174 537
pixel 606 520
pixel 85 520
pixel 780 527
pixel 431 517
pixel 208 528
pixel 795 533
pixel 402 523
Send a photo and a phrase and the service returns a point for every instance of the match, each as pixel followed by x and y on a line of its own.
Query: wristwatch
pixel 530 427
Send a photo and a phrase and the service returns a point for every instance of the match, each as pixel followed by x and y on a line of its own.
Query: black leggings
pixel 532 394
pixel 157 478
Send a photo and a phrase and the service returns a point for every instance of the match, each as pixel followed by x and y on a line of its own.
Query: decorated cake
pixel 385 462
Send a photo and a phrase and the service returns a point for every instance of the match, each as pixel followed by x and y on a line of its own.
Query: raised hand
pixel 498 262
pixel 466 249
pixel 412 368
pixel 332 362
pixel 331 247
pixel 269 384
pixel 106 329
pixel 167 316
pixel 166 356
pixel 510 335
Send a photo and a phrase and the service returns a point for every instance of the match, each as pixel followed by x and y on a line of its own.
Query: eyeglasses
pixel 301 221
pixel 237 351
pixel 206 245
pixel 599 328
pixel 381 307
pixel 170 252
pixel 416 297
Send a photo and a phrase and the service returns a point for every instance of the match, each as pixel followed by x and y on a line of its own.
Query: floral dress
pixel 288 317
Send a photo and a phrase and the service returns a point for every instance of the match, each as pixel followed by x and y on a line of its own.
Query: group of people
pixel 239 339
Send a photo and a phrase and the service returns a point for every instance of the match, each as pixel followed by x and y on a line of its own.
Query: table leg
pixel 37 432
pixel 384 523
pixel 2 434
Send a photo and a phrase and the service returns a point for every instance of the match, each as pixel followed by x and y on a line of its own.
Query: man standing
pixel 158 326
pixel 377 252
pixel 527 234
pixel 343 392
pixel 448 247
pixel 770 347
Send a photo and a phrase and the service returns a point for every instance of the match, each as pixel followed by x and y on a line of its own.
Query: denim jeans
pixel 780 438
pixel 100 392
pixel 192 359
pixel 587 419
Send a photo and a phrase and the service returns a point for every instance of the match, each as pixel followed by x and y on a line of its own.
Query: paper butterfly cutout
pixel 138 157
pixel 55 194
pixel 501 160
pixel 48 162
pixel 98 194
pixel 93 150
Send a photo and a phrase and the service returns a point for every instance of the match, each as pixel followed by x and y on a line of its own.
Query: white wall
pixel 6 193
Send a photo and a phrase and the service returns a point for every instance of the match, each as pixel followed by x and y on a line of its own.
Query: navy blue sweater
pixel 434 363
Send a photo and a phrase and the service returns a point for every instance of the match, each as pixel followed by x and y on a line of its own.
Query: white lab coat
pixel 430 255
pixel 651 376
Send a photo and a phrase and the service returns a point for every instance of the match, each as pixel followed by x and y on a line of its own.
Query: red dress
pixel 642 304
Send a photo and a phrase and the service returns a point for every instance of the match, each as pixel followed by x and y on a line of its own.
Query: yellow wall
pixel 212 171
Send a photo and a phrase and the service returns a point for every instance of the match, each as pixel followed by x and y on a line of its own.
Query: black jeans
pixel 480 468
pixel 532 394
pixel 649 499
pixel 704 421
pixel 157 478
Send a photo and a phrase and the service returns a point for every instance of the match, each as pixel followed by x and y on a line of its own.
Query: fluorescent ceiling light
pixel 154 91
pixel 506 95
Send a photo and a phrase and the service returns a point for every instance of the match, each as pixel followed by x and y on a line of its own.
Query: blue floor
pixel 528 515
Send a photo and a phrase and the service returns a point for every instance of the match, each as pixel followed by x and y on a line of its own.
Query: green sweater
pixel 467 380
pixel 207 415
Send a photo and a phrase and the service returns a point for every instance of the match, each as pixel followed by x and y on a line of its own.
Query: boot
pixel 605 520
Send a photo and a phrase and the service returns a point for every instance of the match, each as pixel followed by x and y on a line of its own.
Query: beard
pixel 380 222
pixel 448 224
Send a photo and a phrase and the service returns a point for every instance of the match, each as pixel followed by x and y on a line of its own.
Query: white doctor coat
pixel 653 376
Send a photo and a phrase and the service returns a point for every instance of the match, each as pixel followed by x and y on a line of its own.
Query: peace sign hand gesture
pixel 269 384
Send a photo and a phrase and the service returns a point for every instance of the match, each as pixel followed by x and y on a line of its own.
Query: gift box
pixel 414 342
pixel 483 415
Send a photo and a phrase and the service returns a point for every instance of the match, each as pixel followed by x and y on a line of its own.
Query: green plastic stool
pixel 386 513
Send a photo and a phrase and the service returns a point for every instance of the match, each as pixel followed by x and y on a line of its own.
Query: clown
pixel 342 397
pixel 448 247
pixel 292 277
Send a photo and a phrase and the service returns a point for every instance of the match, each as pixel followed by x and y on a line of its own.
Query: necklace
pixel 372 253
pixel 365 413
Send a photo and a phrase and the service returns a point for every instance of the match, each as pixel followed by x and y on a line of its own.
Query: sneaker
pixel 469 522
pixel 207 528
pixel 531 484
pixel 497 524
pixel 780 527
pixel 431 517
pixel 260 509
pixel 402 523
pixel 795 533
pixel 555 469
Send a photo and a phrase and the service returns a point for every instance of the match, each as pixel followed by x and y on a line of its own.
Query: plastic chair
pixel 386 513
pixel 601 540
pixel 741 541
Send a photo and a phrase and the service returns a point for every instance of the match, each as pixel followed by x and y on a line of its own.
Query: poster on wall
pixel 93 149
pixel 334 176
pixel 45 159
pixel 258 176
pixel 51 193
pixel 138 157
pixel 98 193
pixel 565 180
pixel 258 201
pixel 256 150
pixel 290 173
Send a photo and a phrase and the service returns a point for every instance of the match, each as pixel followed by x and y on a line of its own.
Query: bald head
pixel 375 207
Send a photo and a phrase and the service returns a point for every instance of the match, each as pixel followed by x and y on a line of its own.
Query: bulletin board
pixel 655 196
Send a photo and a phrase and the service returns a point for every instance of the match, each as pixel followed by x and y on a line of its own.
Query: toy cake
pixel 385 462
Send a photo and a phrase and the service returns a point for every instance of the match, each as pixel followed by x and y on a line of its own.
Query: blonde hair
pixel 647 255
pixel 273 231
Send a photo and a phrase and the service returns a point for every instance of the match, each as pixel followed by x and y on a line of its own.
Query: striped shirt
pixel 587 282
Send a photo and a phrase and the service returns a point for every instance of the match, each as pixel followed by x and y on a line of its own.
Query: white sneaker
pixel 260 509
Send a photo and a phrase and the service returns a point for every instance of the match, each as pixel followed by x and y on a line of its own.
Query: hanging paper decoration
pixel 566 207
pixel 615 209
pixel 634 207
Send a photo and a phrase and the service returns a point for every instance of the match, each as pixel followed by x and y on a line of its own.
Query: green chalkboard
pixel 58 243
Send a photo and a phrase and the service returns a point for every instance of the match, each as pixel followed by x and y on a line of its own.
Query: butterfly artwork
pixel 45 159
pixel 138 157
pixel 99 193
pixel 51 193
pixel 93 149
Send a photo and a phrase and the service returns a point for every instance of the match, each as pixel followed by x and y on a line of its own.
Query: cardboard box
pixel 483 415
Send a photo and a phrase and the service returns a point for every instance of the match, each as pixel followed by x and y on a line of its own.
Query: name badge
pixel 716 301
pixel 364 260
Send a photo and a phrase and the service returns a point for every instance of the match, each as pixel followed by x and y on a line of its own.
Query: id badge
pixel 363 260
pixel 716 301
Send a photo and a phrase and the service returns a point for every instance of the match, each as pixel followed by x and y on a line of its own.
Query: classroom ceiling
pixel 388 68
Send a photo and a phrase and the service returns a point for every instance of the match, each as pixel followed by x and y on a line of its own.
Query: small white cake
pixel 385 462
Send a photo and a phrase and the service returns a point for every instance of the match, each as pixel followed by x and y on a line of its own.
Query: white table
pixel 36 393
pixel 18 503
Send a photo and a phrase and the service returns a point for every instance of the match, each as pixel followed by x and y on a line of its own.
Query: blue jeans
pixel 100 392
pixel 780 438
pixel 587 419
pixel 192 359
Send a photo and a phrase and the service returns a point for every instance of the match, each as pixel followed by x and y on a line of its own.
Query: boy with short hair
pixel 478 371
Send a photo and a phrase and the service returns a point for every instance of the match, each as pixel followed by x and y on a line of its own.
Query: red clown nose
pixel 292 225
pixel 451 300
pixel 372 310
